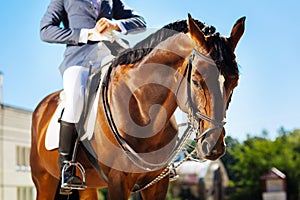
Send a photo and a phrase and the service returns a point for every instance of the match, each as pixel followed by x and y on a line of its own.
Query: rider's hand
pixel 104 25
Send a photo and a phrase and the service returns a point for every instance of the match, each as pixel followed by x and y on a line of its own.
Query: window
pixel 275 185
pixel 25 193
pixel 22 158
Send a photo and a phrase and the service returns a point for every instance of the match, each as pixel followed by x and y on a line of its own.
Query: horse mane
pixel 143 48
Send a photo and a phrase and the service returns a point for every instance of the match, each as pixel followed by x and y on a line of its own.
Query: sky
pixel 268 93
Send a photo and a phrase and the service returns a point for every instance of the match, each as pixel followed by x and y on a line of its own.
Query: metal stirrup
pixel 64 185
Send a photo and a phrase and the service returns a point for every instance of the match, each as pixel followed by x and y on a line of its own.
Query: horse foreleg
pixel 46 186
pixel 157 191
pixel 44 182
pixel 118 187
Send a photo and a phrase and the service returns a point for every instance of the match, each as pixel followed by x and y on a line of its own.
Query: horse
pixel 186 64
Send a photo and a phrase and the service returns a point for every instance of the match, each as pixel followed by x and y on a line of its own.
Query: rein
pixel 194 118
pixel 127 149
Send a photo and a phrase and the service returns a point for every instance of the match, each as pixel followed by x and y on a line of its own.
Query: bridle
pixel 194 115
pixel 194 119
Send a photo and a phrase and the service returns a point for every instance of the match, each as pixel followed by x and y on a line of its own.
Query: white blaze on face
pixel 221 80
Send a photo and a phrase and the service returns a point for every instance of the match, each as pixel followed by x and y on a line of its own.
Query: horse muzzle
pixel 211 146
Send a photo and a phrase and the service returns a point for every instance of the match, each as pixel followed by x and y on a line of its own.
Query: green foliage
pixel 102 193
pixel 247 161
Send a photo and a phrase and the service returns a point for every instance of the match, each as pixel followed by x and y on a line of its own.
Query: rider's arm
pixel 51 29
pixel 128 20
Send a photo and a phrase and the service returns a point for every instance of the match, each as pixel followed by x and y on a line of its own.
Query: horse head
pixel 212 74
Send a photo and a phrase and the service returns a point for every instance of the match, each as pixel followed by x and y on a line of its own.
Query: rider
pixel 82 25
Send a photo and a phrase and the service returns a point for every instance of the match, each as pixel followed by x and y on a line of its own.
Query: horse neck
pixel 143 95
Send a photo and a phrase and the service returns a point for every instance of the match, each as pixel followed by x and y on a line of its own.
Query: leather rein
pixel 194 118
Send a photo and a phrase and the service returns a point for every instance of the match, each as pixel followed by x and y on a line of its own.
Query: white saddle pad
pixel 52 134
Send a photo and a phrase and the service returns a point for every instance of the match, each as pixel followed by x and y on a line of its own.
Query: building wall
pixel 15 177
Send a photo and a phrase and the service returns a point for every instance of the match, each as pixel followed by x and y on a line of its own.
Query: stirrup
pixel 66 187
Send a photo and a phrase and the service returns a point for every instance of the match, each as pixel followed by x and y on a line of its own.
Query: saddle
pixel 85 126
pixel 87 120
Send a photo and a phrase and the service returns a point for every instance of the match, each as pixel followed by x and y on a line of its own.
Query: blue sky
pixel 268 94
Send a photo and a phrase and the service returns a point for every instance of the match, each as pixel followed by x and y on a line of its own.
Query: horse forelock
pixel 223 56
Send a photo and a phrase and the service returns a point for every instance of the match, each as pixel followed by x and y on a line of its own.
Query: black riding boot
pixel 67 139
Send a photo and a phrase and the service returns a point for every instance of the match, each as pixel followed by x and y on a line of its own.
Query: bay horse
pixel 186 64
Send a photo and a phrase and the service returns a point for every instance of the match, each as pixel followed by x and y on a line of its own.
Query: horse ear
pixel 196 34
pixel 237 32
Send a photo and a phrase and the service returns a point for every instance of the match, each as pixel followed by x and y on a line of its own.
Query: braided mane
pixel 143 48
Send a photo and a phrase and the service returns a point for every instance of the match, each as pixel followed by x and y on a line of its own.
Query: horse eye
pixel 195 82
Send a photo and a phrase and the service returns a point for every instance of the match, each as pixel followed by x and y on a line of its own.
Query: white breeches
pixel 74 83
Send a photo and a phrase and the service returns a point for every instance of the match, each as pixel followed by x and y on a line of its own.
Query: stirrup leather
pixel 69 186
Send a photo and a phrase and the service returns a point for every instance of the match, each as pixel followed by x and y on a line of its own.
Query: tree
pixel 229 159
pixel 247 161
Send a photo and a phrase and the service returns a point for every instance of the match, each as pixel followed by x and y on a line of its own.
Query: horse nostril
pixel 218 151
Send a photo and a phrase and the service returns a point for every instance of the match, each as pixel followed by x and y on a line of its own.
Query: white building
pixel 200 180
pixel 15 138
